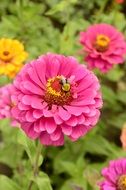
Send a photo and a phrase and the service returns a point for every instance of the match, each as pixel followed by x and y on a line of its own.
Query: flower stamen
pixel 101 43
pixel 58 91
pixel 6 53
pixel 121 183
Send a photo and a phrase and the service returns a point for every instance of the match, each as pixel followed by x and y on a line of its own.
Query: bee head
pixel 65 84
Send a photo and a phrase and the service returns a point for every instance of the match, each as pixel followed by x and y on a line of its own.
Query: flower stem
pixel 101 11
pixel 36 165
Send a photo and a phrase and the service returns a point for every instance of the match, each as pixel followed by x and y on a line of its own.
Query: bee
pixel 65 84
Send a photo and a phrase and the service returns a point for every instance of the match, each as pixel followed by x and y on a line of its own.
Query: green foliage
pixel 43 182
pixel 54 26
pixel 8 184
pixel 8 144
pixel 29 146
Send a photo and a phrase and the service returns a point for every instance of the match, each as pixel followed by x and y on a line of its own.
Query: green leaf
pixel 29 146
pixel 122 96
pixel 109 95
pixel 43 181
pixel 118 121
pixel 60 6
pixel 68 39
pixel 8 184
pixel 94 146
pixel 4 80
pixel 8 144
pixel 119 20
pixel 70 168
pixel 115 74
pixel 78 183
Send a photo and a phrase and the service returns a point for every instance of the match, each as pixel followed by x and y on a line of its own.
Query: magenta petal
pixel 59 142
pixel 80 73
pixel 40 67
pixel 22 106
pixel 50 125
pixel 72 121
pixel 29 129
pixel 42 124
pixel 81 119
pixel 29 116
pixel 78 131
pixel 55 63
pixel 56 134
pixel 33 101
pixel 89 94
pixel 45 139
pixel 106 187
pixel 85 83
pixel 26 100
pixel 34 77
pixel 15 112
pixel 57 119
pixel 92 113
pixel 47 113
pixel 39 126
pixel 33 88
pixel 65 115
pixel 37 113
pixel 67 130
pixel 77 110
pixel 72 110
pixel 36 103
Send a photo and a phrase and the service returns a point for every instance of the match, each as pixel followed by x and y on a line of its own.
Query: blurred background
pixel 54 26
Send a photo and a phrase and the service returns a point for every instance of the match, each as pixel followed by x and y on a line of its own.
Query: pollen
pixel 57 92
pixel 102 43
pixel 121 183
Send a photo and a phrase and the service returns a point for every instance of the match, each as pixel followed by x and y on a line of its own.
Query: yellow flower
pixel 12 56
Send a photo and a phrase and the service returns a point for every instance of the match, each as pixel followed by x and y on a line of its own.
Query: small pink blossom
pixel 56 96
pixel 114 175
pixel 6 103
pixel 104 46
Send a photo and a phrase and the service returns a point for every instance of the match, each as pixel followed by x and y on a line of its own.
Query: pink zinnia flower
pixel 115 175
pixel 5 101
pixel 119 1
pixel 56 96
pixel 104 46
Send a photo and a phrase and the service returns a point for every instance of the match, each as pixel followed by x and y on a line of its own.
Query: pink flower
pixel 5 101
pixel 119 1
pixel 123 137
pixel 56 96
pixel 115 175
pixel 104 46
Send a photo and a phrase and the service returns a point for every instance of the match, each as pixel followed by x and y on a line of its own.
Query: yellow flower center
pixel 6 53
pixel 101 43
pixel 58 91
pixel 6 56
pixel 121 183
